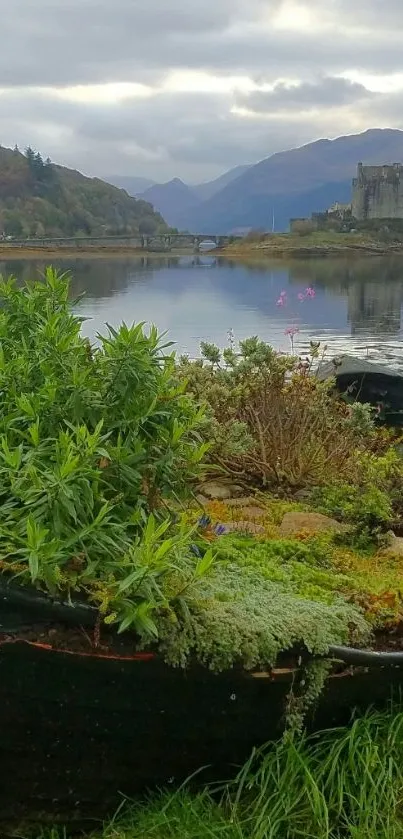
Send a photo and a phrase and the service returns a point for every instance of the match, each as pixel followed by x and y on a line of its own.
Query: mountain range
pixel 289 184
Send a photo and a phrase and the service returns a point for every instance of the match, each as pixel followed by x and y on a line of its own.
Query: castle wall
pixel 378 192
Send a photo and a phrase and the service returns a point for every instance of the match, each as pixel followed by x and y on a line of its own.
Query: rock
pixel 302 494
pixel 201 499
pixel 215 490
pixel 218 490
pixel 252 512
pixel 243 527
pixel 243 501
pixel 293 523
pixel 235 490
pixel 394 548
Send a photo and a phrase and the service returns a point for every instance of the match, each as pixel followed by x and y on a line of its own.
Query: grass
pixel 320 241
pixel 341 784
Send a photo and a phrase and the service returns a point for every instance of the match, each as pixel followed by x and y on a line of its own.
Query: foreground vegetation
pixel 101 453
pixel 188 503
pixel 41 199
pixel 340 784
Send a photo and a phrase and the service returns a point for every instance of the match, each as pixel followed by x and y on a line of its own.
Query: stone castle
pixel 378 192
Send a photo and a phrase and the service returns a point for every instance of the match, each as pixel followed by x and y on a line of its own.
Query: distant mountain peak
pixel 290 183
pixel 295 182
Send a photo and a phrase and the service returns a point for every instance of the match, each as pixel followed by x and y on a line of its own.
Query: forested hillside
pixel 38 198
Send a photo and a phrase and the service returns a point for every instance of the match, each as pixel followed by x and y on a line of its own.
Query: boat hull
pixel 78 731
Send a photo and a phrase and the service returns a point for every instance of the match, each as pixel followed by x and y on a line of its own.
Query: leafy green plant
pixel 366 507
pixel 93 441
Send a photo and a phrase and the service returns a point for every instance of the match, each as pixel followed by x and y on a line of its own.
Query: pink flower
pixel 301 297
pixel 282 299
pixel 310 292
pixel 291 331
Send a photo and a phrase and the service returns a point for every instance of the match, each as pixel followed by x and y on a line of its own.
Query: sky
pixel 191 88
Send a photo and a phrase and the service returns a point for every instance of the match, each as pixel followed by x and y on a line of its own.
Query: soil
pixel 78 640
pixel 106 644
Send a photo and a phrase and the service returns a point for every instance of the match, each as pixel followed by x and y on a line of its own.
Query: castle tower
pixel 378 192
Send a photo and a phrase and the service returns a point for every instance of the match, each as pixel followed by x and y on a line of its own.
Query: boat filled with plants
pixel 192 553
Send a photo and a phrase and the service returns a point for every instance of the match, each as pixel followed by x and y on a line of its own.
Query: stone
pixel 394 548
pixel 252 512
pixel 235 490
pixel 293 523
pixel 201 499
pixel 243 501
pixel 302 494
pixel 243 527
pixel 216 491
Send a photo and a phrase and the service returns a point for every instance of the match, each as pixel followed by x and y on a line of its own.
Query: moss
pixel 241 618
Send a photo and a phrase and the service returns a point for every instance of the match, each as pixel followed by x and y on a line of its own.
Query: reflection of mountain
pixel 199 296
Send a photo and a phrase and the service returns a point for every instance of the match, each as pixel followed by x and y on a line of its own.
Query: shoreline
pixel 94 253
pixel 309 253
pixel 316 245
pixel 278 249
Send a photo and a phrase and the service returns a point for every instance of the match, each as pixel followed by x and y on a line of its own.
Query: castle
pixel 378 192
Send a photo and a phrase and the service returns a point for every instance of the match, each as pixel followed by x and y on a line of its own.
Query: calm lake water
pixel 357 306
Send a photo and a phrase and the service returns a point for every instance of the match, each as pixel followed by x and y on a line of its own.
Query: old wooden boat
pixel 365 381
pixel 80 727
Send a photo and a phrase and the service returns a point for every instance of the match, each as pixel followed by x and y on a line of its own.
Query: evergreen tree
pixel 30 155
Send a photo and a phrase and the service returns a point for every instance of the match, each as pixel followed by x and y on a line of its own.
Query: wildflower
pixel 291 331
pixel 204 521
pixel 301 297
pixel 282 299
pixel 195 550
pixel 310 292
pixel 219 529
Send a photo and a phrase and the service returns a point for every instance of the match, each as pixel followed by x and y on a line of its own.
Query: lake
pixel 356 308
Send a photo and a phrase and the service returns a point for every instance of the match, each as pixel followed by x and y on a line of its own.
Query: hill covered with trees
pixel 39 198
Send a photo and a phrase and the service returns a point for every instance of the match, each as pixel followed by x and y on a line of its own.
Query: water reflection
pixel 357 307
pixel 374 289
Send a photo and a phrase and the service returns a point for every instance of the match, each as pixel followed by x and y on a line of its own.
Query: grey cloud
pixel 89 41
pixel 193 136
pixel 367 12
pixel 95 40
pixel 52 43
pixel 325 93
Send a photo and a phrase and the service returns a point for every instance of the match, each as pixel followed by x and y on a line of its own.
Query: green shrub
pixel 92 440
pixel 271 422
pixel 366 507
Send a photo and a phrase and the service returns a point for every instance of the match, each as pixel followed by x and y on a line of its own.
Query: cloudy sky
pixel 190 88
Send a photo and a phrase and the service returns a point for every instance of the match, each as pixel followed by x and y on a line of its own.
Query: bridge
pixel 160 242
